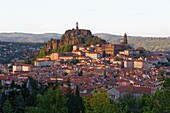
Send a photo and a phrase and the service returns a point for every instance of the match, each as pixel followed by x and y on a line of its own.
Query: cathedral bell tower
pixel 125 39
pixel 77 27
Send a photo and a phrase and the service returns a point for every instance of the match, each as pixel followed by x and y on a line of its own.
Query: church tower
pixel 77 27
pixel 125 39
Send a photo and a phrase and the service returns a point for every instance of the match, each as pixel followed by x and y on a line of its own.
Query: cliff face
pixel 51 45
pixel 71 37
pixel 75 37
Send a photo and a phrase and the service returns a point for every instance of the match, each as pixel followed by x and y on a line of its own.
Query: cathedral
pixel 113 49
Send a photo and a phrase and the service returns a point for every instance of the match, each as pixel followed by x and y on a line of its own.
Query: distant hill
pixel 28 37
pixel 149 43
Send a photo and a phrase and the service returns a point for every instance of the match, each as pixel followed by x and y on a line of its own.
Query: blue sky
pixel 135 17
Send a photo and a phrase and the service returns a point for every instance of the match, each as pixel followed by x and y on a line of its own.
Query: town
pixel 116 68
pixel 17 52
pixel 93 56
pixel 109 66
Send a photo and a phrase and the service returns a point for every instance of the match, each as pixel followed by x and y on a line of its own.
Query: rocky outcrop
pixel 71 37
pixel 75 37
pixel 51 45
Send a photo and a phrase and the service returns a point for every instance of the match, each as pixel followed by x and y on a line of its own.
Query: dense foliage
pixel 33 97
pixel 90 40
pixel 99 103
pixel 51 102
pixel 42 53
pixel 64 48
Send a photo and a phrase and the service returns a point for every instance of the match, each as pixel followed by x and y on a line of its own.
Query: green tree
pixel 99 103
pixel 166 83
pixel 158 102
pixel 30 91
pixel 69 90
pixel 12 84
pixel 65 74
pixel 1 88
pixel 161 73
pixel 7 107
pixel 75 102
pixel 18 104
pixel 129 103
pixel 42 53
pixel 75 61
pixel 52 101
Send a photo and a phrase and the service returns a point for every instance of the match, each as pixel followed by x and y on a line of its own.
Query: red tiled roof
pixel 134 89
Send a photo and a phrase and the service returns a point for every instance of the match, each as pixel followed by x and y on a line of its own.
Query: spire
pixel 77 27
pixel 125 39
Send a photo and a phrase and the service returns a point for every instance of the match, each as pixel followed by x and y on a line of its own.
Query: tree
pixel 12 84
pixel 65 74
pixel 69 90
pixel 51 102
pixel 161 73
pixel 19 104
pixel 158 102
pixel 99 103
pixel 1 88
pixel 166 83
pixel 75 61
pixel 129 103
pixel 32 89
pixel 75 102
pixel 42 53
pixel 7 107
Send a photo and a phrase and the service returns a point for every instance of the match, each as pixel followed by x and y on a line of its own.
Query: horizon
pixel 136 18
pixel 92 33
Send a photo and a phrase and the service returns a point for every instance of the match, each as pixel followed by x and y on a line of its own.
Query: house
pixel 45 58
pixel 140 64
pixel 93 55
pixel 21 67
pixel 123 82
pixel 55 56
pixel 121 91
pixel 128 64
pixel 162 59
pixel 131 52
pixel 26 67
pixel 43 63
pixel 78 52
pixel 75 47
pixel 82 48
pixel 153 60
pixel 65 58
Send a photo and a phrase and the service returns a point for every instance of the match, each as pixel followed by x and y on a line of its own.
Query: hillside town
pixel 117 68
pixel 98 56
pixel 80 65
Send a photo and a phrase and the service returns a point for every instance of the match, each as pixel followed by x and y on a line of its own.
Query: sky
pixel 134 17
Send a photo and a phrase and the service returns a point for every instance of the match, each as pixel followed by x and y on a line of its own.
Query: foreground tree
pixel 99 103
pixel 7 107
pixel 158 102
pixel 166 83
pixel 18 103
pixel 51 102
pixel 74 101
